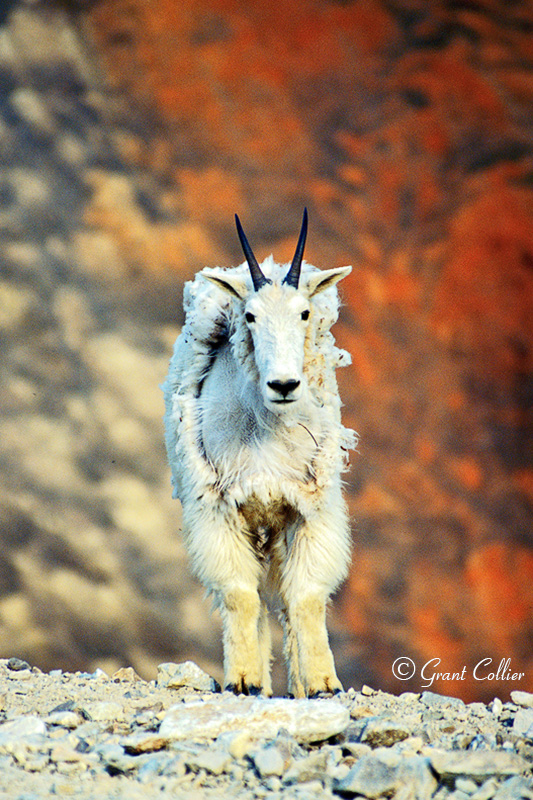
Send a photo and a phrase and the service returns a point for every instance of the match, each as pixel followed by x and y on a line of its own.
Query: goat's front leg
pixel 316 562
pixel 225 562
pixel 311 665
pixel 243 663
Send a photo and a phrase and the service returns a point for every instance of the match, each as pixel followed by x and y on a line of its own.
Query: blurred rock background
pixel 130 133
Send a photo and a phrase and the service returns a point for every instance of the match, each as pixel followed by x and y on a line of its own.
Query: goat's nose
pixel 284 387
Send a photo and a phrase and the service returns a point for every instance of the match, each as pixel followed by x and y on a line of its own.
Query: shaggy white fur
pixel 259 476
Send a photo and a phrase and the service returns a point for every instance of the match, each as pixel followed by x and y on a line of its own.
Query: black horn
pixel 258 278
pixel 292 278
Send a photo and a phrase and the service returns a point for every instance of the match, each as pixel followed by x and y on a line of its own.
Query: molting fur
pixel 256 448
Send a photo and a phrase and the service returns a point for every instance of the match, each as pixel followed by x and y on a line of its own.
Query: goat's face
pixel 277 314
pixel 277 318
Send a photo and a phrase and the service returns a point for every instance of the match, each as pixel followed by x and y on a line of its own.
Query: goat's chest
pixel 238 450
pixel 245 448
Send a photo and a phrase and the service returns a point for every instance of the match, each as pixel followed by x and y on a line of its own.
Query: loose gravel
pixel 96 736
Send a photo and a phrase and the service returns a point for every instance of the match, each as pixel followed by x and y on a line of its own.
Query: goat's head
pixel 277 313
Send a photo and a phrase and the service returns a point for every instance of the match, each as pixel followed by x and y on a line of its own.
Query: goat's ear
pixel 229 283
pixel 319 281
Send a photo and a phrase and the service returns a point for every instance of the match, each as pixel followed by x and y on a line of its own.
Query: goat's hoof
pixel 243 688
pixel 321 693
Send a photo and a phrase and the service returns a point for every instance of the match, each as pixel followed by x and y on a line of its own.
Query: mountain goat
pixel 256 448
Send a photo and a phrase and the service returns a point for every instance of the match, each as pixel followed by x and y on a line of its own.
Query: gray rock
pixel 103 711
pixel 273 784
pixel 236 772
pixel 383 732
pixel 239 743
pixel 355 730
pixel 478 765
pixel 126 674
pixel 64 752
pixel 144 742
pixel 314 767
pixel 64 719
pixel 32 762
pixel 362 707
pixel 441 703
pixel 415 780
pixel 175 766
pixel 22 675
pixel 115 759
pixel 147 716
pixel 356 749
pixel 496 706
pixel 98 674
pixel 524 699
pixel 313 790
pixel 269 761
pixel 17 664
pixel 466 785
pixel 152 768
pixel 214 761
pixel 370 777
pixel 174 676
pixel 487 790
pixel 478 709
pixel 523 721
pixel 338 773
pixel 20 728
pixel 514 789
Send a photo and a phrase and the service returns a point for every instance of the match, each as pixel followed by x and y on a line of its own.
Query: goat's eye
pixel 249 317
pixel 305 314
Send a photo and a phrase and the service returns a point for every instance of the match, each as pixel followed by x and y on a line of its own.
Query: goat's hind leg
pixel 290 651
pixel 265 647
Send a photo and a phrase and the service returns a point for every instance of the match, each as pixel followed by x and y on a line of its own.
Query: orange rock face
pixel 405 128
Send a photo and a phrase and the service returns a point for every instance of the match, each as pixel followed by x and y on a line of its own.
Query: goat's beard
pixel 293 413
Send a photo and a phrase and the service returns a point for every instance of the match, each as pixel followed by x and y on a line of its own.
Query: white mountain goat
pixel 256 448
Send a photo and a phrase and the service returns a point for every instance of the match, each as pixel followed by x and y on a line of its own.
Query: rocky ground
pixel 93 736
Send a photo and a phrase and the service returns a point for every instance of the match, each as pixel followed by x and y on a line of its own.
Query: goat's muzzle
pixel 286 391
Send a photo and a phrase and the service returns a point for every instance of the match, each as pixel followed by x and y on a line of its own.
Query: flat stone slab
pixel 306 720
pixel 477 765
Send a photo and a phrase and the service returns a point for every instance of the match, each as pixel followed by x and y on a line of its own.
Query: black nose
pixel 284 387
